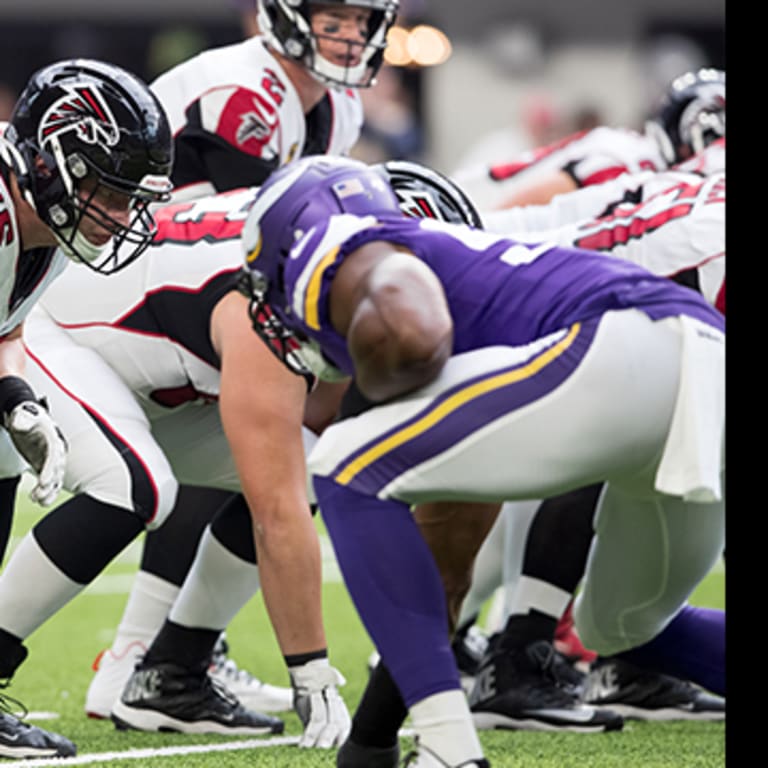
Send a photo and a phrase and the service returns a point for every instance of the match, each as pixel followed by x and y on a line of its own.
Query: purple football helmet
pixel 296 198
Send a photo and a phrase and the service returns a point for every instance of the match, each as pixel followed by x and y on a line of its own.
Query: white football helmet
pixel 287 27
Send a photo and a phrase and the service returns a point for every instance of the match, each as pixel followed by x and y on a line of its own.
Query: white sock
pixel 444 725
pixel 148 605
pixel 544 597
pixel 32 589
pixel 217 586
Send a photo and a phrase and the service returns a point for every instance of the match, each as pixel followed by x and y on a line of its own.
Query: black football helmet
pixel 287 27
pixel 88 131
pixel 426 194
pixel 690 115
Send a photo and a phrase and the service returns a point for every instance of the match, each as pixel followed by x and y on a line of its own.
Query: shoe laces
pixel 223 665
pixel 221 691
pixel 543 654
pixel 10 705
pixel 229 670
pixel 549 661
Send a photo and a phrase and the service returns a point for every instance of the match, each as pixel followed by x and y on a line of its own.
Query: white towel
pixel 694 456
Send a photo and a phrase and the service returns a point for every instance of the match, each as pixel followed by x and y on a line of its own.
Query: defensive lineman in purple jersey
pixel 498 371
pixel 537 290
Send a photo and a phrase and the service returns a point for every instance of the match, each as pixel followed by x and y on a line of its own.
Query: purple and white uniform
pixel 569 368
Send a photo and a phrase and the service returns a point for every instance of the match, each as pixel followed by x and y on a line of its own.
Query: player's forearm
pixel 291 579
pixel 12 353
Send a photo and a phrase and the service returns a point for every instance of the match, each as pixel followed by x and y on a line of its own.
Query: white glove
pixel 319 704
pixel 40 442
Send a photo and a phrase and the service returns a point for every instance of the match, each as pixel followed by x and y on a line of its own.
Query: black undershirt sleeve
pixel 202 156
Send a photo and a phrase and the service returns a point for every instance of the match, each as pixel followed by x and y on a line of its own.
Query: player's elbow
pixel 404 362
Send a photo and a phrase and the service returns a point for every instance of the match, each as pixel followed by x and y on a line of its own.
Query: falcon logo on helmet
pixel 419 205
pixel 424 193
pixel 83 111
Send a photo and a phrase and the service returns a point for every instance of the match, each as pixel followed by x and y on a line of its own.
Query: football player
pixel 689 117
pixel 672 223
pixel 240 111
pixel 206 602
pixel 158 379
pixel 469 372
pixel 87 150
pixel 237 113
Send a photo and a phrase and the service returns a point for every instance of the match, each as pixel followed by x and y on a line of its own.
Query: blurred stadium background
pixel 468 80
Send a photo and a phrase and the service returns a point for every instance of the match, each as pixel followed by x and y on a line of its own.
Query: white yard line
pixel 136 754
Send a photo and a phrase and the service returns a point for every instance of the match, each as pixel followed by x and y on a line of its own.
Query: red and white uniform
pixel 131 372
pixel 711 159
pixel 672 223
pixel 236 116
pixel 24 275
pixel 589 157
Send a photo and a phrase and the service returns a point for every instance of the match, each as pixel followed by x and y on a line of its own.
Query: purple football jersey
pixel 499 291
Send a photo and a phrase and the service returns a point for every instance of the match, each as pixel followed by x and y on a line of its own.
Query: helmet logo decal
pixel 418 204
pixel 84 112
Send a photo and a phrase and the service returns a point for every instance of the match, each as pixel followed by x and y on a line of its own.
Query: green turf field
pixel 53 680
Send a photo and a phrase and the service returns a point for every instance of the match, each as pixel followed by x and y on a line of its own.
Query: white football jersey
pixel 240 96
pixel 590 157
pixel 151 321
pixel 24 275
pixel 671 222
pixel 711 159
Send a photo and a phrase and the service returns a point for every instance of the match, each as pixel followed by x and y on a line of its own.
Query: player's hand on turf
pixel 319 705
pixel 40 442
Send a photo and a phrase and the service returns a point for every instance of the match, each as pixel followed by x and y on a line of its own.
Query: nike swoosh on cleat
pixel 581 715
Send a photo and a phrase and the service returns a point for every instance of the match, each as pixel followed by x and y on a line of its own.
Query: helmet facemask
pixel 690 115
pixel 284 343
pixel 69 190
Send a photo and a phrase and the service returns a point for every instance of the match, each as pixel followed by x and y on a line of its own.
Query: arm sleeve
pixel 203 156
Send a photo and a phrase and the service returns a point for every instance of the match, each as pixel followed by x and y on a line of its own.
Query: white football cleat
pixel 422 757
pixel 253 694
pixel 112 673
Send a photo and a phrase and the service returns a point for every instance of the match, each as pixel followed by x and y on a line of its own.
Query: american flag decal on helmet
pixel 84 111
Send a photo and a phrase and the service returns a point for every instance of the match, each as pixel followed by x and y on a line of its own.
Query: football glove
pixel 319 705
pixel 40 442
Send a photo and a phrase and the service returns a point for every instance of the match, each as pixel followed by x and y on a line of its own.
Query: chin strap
pixel 77 247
